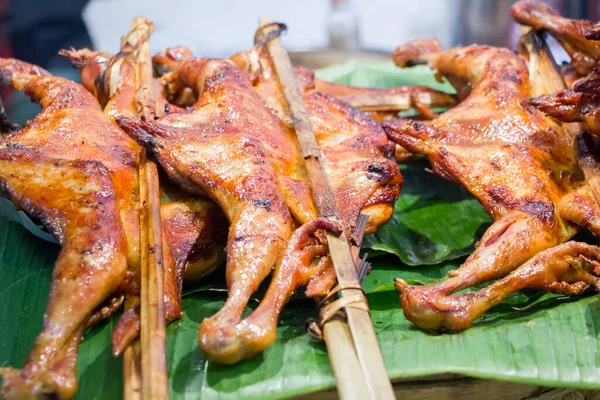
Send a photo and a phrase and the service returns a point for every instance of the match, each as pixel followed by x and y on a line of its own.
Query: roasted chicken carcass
pixel 519 165
pixel 236 144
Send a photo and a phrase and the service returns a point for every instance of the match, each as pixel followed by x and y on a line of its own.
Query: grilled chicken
pixel 582 103
pixel 190 225
pixel 518 164
pixel 356 153
pixel 236 144
pixel 570 33
pixel 74 169
pixel 71 168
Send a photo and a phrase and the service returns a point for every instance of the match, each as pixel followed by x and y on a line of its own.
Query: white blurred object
pixel 342 25
pixel 208 28
pixel 221 28
pixel 386 24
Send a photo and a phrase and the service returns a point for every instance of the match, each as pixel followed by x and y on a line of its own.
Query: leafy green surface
pixel 433 221
pixel 531 337
pixel 363 73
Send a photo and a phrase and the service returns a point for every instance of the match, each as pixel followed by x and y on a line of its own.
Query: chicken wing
pixel 515 161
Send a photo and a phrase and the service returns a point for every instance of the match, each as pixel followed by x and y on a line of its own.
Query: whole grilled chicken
pixel 191 226
pixel 69 167
pixel 236 144
pixel 519 165
pixel 74 169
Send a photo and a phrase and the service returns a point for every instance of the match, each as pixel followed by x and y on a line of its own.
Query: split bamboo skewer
pixel 152 316
pixel 132 372
pixel 145 361
pixel 362 337
pixel 541 60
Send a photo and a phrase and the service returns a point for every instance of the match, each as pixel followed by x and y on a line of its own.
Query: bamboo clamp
pixel 351 342
pixel 145 367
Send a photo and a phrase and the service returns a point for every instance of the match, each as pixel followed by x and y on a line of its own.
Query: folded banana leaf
pixel 530 338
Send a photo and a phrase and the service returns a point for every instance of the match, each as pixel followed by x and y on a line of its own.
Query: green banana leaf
pixel 434 220
pixel 531 337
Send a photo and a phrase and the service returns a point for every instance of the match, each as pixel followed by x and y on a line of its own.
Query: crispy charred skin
pixel 194 233
pixel 570 33
pixel 571 106
pixel 340 129
pixel 212 147
pixel 593 33
pixel 63 167
pixel 356 153
pixel 240 98
pixel 580 104
pixel 515 161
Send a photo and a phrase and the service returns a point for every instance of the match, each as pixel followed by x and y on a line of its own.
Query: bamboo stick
pixel 145 366
pixel 359 322
pixel 152 321
pixel 132 372
pixel 152 316
pixel 541 63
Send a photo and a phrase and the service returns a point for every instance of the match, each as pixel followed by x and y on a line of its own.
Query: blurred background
pixel 320 31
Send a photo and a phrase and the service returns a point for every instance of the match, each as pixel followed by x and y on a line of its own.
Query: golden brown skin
pixel 191 227
pixel 570 33
pixel 356 154
pixel 198 148
pixel 211 149
pixel 194 235
pixel 515 161
pixel 67 168
pixel 409 53
pixel 112 81
pixel 294 269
